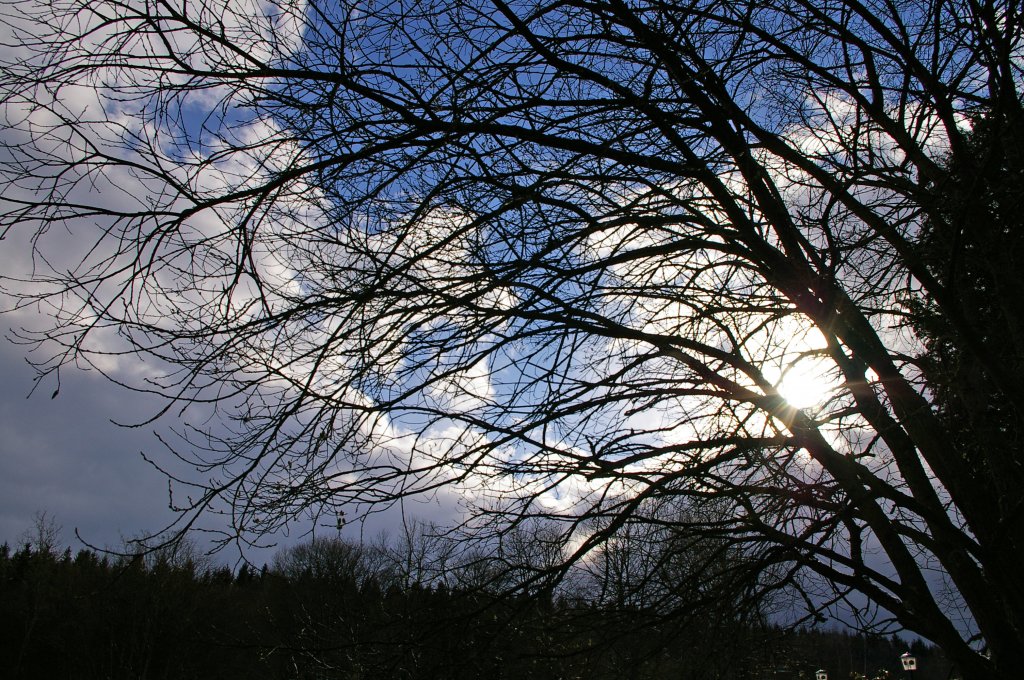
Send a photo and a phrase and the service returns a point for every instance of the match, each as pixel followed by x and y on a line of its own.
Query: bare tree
pixel 45 535
pixel 563 259
pixel 417 556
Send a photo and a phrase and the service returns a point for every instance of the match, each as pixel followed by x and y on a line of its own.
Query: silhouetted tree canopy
pixel 97 616
pixel 973 243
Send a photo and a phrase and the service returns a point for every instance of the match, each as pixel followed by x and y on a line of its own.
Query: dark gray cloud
pixel 64 456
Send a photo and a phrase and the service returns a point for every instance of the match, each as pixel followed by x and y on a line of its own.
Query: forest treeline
pixel 332 608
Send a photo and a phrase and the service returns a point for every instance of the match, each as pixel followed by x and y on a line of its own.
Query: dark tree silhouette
pixel 569 259
pixel 317 614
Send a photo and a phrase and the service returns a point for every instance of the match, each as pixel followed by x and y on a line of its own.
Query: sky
pixel 63 456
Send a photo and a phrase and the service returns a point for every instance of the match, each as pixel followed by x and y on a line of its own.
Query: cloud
pixel 65 457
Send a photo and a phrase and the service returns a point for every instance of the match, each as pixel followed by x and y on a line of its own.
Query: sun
pixel 806 384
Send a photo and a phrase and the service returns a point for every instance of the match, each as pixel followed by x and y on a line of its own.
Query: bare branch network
pixel 696 268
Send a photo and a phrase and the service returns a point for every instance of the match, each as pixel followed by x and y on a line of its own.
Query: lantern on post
pixel 909 662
